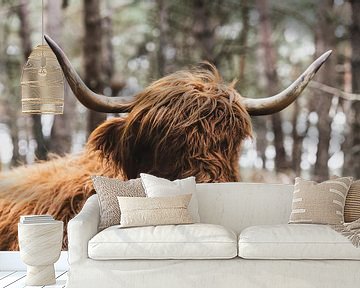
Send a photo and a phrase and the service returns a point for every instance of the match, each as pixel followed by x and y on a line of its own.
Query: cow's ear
pixel 106 140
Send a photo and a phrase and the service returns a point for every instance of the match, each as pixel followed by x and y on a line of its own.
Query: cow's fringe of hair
pixel 187 123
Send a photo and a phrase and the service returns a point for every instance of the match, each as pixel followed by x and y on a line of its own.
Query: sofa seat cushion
pixel 295 241
pixel 191 241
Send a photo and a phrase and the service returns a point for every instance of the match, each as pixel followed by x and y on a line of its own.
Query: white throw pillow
pixel 160 187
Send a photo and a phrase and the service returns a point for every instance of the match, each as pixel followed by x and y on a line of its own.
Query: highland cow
pixel 188 123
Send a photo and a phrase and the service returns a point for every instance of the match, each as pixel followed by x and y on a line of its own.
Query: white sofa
pixel 277 254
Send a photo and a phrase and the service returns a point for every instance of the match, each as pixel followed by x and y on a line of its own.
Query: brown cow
pixel 187 123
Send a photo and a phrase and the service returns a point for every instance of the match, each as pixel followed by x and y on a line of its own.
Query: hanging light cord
pixel 42 21
pixel 43 60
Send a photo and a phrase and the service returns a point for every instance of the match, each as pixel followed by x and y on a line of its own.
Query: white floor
pixel 13 271
pixel 16 279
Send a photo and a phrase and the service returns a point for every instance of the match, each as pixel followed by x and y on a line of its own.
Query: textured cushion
pixel 301 241
pixel 107 190
pixel 144 211
pixel 192 241
pixel 352 203
pixel 321 203
pixel 159 187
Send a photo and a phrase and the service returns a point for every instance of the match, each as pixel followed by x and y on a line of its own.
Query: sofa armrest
pixel 82 228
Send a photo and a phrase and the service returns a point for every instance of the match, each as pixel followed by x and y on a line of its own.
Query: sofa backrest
pixel 239 205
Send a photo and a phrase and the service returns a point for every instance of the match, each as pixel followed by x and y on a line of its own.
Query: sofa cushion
pixel 352 203
pixel 192 241
pixel 295 241
pixel 146 211
pixel 161 187
pixel 319 203
pixel 107 190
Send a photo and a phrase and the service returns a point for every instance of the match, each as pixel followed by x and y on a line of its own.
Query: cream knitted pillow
pixel 321 203
pixel 159 187
pixel 107 190
pixel 352 203
pixel 139 211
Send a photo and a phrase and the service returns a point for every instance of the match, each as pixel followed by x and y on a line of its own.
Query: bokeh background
pixel 120 46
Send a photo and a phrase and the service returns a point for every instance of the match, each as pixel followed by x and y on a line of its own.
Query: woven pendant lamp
pixel 42 81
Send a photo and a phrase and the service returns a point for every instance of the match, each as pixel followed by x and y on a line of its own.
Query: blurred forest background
pixel 120 46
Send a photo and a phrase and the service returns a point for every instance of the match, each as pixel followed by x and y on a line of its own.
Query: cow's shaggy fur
pixel 187 123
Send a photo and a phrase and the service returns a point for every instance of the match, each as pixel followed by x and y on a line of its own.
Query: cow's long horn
pixel 278 102
pixel 88 98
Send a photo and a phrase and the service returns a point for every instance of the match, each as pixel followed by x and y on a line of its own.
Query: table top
pixel 55 222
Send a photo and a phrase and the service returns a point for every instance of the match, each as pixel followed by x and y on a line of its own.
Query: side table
pixel 40 247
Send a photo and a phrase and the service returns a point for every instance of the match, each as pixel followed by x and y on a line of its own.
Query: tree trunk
pixel 243 39
pixel 259 125
pixel 203 29
pixel 325 39
pixel 347 145
pixel 269 59
pixel 25 30
pixel 10 109
pixel 25 35
pixel 107 49
pixel 16 159
pixel 94 76
pixel 163 27
pixel 297 142
pixel 355 66
pixel 61 131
